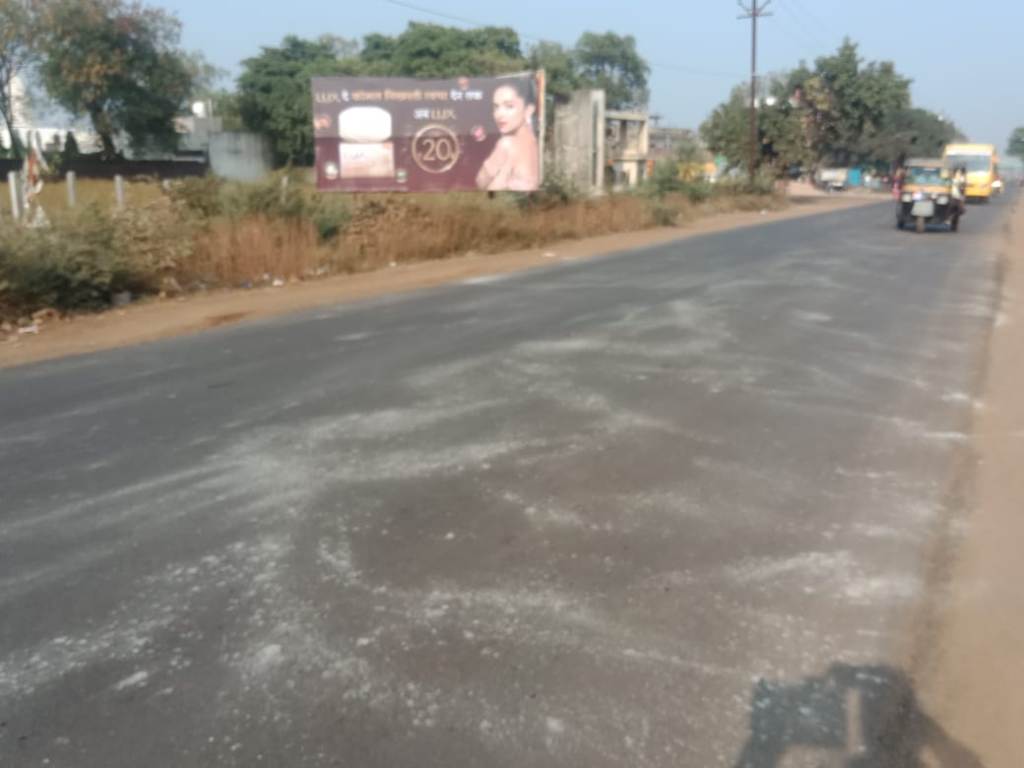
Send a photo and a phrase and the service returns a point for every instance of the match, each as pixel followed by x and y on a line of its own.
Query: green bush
pixel 331 216
pixel 763 184
pixel 83 259
pixel 664 179
pixel 69 265
pixel 209 197
pixel 203 196
pixel 698 191
pixel 664 215
pixel 556 190
pixel 273 197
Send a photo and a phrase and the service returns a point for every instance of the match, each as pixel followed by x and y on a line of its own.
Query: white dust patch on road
pixel 833 574
pixel 138 680
pixel 484 280
pixel 815 318
pixel 880 532
pixel 544 513
pixel 678 331
pixel 957 398
pixel 810 566
pixel 131 631
pixel 99 508
pixel 349 338
pixel 336 556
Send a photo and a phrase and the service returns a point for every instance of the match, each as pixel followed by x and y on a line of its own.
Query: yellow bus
pixel 981 163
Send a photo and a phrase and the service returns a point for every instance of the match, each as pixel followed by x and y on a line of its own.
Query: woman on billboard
pixel 515 162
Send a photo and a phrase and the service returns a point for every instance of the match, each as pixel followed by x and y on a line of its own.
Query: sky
pixel 966 59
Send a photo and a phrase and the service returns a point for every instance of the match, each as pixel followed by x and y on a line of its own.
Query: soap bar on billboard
pixel 364 124
pixel 367 161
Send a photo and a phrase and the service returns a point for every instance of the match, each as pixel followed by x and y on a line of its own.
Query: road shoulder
pixel 976 683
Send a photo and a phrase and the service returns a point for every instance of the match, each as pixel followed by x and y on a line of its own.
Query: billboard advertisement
pixel 404 134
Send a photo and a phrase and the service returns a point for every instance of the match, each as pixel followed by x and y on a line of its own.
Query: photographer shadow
pixel 852 717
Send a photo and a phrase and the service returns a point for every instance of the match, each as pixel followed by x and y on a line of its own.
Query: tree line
pixel 119 63
pixel 272 95
pixel 842 111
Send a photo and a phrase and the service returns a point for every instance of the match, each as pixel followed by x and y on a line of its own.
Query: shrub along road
pixel 681 506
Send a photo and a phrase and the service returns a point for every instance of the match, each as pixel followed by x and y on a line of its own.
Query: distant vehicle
pixel 833 179
pixel 928 196
pixel 982 165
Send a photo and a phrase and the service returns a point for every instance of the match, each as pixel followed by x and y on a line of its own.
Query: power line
pixel 808 36
pixel 439 14
pixel 821 25
pixel 695 71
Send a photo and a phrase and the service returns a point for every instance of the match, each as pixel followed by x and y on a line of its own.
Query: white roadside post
pixel 12 185
pixel 70 181
pixel 119 191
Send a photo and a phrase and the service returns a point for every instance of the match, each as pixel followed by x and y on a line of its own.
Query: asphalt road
pixel 675 507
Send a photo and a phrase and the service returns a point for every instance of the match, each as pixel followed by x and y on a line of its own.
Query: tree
pixel 842 111
pixel 1016 145
pixel 16 53
pixel 273 90
pixel 612 62
pixel 71 149
pixel 431 50
pixel 227 106
pixel 912 132
pixel 781 132
pixel 274 93
pixel 727 129
pixel 203 74
pixel 117 62
pixel 849 103
pixel 559 65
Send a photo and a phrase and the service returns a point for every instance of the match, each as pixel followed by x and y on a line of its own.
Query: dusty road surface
pixel 683 506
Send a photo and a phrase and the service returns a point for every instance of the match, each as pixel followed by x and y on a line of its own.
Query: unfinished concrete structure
pixel 596 148
pixel 578 149
pixel 627 145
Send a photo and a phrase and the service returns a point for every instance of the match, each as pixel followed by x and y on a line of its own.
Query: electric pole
pixel 754 11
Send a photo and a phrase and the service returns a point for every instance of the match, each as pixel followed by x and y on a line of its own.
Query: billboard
pixel 405 134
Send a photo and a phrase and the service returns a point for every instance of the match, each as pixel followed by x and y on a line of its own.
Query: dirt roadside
pixel 152 320
pixel 975 684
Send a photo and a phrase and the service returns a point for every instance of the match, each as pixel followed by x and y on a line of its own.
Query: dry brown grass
pixel 253 249
pixel 158 237
pixel 424 229
pixel 403 229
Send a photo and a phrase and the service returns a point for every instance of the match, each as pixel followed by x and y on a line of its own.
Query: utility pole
pixel 754 11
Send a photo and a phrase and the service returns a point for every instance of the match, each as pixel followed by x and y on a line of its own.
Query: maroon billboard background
pixel 406 134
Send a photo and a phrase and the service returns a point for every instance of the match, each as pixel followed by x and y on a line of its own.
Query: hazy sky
pixel 966 58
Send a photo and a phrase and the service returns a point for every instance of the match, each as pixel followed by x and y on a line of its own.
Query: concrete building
pixel 577 152
pixel 233 155
pixel 595 148
pixel 627 147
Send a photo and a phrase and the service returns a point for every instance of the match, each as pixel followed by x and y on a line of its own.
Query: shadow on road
pixel 852 716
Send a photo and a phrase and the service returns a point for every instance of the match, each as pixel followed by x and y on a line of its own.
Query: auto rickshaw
pixel 929 196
